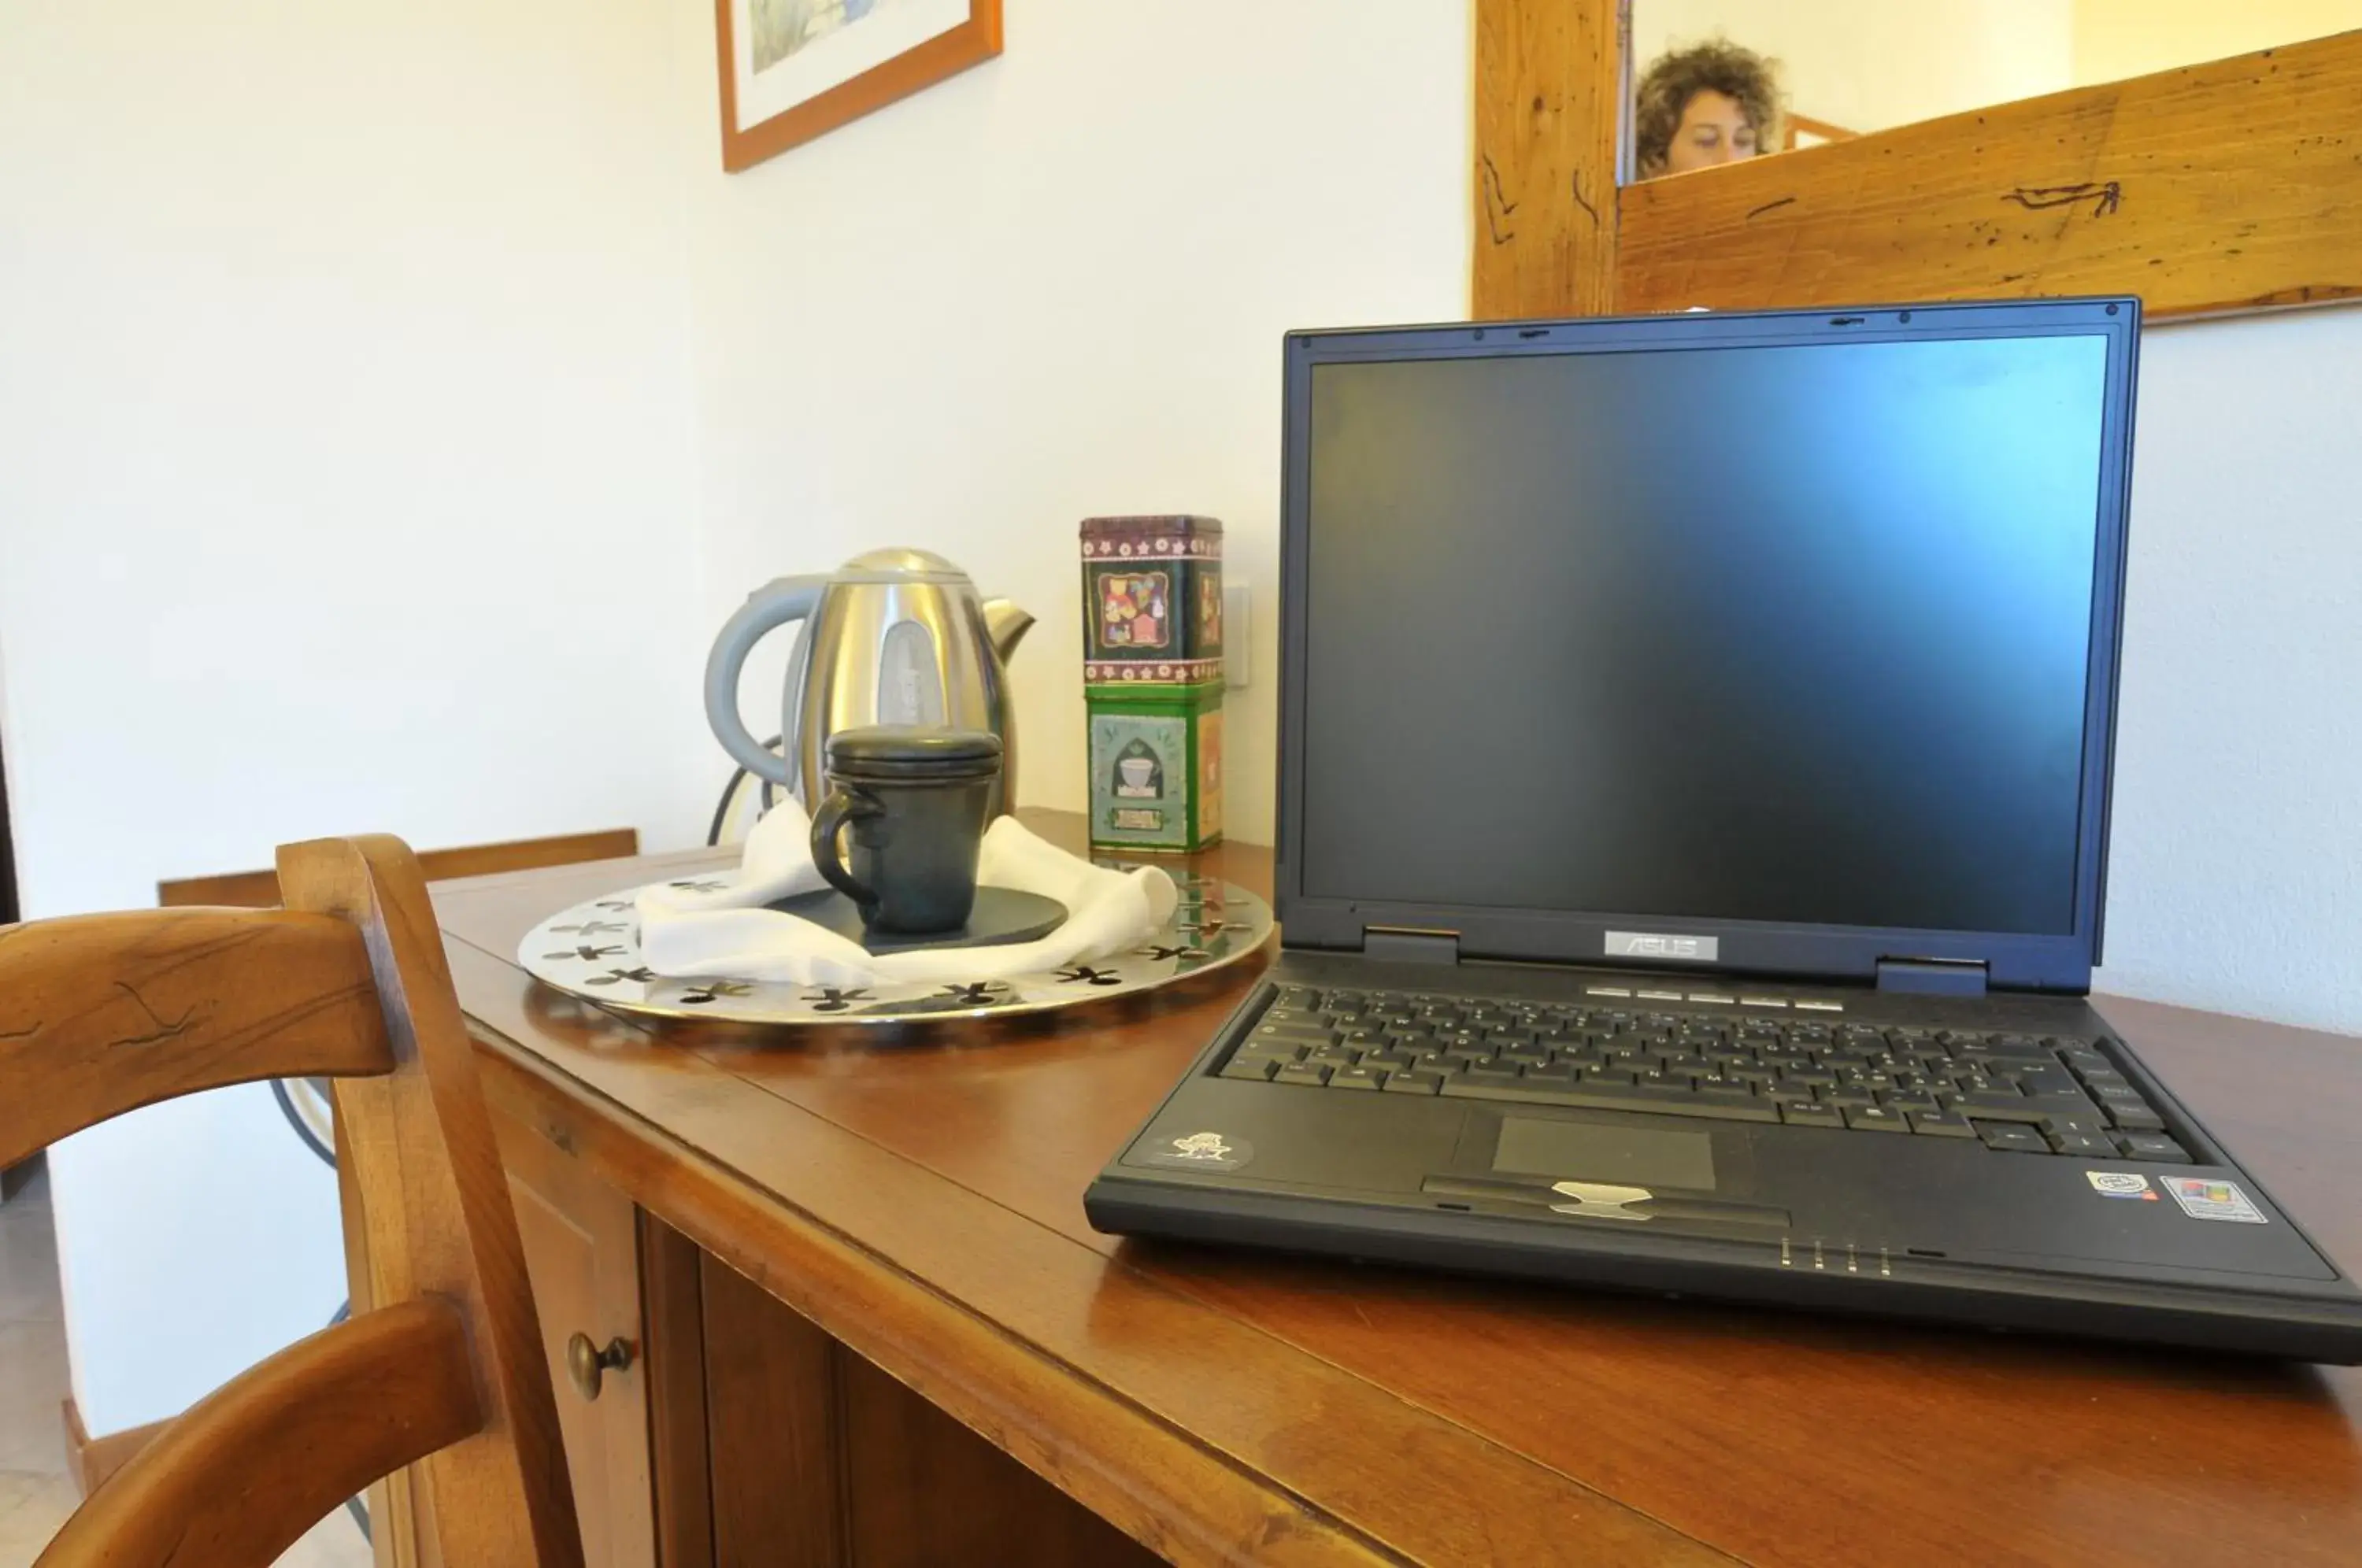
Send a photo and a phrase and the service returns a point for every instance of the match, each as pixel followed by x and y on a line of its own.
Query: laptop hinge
pixel 1932 977
pixel 1403 945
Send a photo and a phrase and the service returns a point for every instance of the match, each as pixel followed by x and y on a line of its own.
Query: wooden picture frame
pixel 1795 128
pixel 2211 190
pixel 802 115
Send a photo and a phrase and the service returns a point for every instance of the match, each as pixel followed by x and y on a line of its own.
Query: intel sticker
pixel 1197 1151
pixel 2121 1184
pixel 2207 1198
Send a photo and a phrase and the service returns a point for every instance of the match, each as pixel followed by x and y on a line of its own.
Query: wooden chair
pixel 100 1014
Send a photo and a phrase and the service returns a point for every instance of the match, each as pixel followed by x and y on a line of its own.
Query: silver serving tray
pixel 593 950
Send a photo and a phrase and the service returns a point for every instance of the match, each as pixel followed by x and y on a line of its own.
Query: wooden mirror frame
pixel 2213 189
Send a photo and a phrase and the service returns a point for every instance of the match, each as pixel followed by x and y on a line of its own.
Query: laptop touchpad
pixel 1628 1156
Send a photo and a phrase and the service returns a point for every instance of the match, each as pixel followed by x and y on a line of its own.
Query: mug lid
pixel 913 750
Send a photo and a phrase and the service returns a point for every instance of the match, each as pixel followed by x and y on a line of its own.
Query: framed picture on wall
pixel 792 70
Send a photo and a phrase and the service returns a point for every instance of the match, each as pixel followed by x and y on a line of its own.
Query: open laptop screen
pixel 1791 633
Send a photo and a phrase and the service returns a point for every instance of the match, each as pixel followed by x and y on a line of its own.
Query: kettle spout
pixel 1008 625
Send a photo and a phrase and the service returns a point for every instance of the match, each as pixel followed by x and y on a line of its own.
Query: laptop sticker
pixel 2121 1184
pixel 1199 1152
pixel 2205 1198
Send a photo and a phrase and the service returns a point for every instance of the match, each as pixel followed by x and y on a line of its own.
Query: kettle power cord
pixel 730 796
pixel 318 1140
pixel 301 1122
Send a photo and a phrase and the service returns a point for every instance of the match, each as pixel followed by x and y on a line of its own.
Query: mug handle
pixel 843 806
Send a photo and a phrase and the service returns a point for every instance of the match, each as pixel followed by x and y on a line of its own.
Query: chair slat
pixel 418 1146
pixel 240 1476
pixel 101 1014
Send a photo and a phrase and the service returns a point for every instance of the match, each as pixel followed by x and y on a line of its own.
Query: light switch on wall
pixel 1238 635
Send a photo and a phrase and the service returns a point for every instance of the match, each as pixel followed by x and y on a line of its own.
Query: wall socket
pixel 1238 635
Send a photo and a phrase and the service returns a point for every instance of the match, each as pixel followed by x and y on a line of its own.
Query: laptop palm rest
pixel 1625 1155
pixel 1587 1170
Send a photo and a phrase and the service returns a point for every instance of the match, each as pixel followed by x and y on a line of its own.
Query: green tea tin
pixel 1153 681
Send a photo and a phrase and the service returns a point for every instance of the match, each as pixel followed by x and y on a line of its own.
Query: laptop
pixel 1695 745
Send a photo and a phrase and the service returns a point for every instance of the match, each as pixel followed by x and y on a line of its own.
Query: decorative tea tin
pixel 1153 681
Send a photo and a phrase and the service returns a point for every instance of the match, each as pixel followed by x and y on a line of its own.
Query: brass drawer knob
pixel 586 1364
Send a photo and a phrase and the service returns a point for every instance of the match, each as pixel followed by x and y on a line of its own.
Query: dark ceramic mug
pixel 911 803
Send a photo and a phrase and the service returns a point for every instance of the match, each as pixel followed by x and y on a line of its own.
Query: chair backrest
pixel 100 1014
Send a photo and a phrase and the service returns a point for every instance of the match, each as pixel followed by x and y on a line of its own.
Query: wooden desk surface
pixel 922 1202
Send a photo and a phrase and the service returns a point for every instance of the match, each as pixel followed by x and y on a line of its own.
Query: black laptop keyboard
pixel 2023 1093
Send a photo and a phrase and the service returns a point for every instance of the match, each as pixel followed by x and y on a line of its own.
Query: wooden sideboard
pixel 867 1323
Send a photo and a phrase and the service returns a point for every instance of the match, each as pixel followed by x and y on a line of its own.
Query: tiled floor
pixel 36 1494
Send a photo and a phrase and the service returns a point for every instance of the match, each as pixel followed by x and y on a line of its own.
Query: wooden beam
pixel 2225 187
pixel 1550 94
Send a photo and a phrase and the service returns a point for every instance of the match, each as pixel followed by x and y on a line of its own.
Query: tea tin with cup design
pixel 1153 681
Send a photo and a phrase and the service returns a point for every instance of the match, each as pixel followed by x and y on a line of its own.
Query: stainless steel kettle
pixel 896 637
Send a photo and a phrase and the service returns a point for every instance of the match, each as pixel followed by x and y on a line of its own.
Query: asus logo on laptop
pixel 1646 944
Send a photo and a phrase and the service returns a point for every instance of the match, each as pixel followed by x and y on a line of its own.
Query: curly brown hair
pixel 1679 75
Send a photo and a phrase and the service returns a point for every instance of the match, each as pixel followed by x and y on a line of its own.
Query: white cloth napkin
pixel 716 926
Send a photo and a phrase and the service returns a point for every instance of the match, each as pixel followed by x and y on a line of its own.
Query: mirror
pixel 1706 72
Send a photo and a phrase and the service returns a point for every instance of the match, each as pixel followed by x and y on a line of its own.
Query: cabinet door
pixel 581 1249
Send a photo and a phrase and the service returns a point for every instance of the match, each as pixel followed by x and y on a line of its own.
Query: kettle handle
pixel 773 605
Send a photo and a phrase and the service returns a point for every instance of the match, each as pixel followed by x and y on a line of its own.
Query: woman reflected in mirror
pixel 1711 103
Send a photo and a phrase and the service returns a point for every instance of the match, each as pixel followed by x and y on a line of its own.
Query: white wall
pixel 1055 287
pixel 1868 64
pixel 2236 877
pixel 2116 39
pixel 345 484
